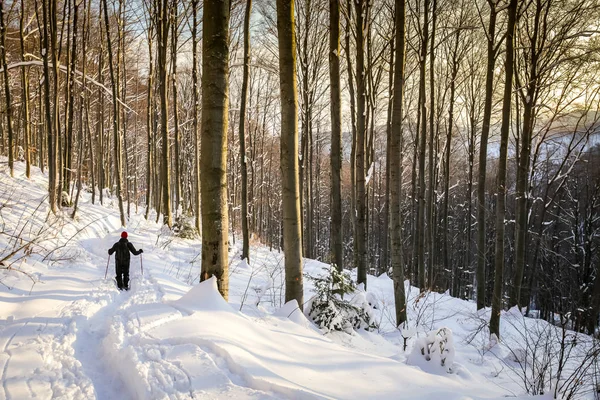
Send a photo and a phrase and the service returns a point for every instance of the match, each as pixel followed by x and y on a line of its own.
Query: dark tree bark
pixel 501 176
pixel 177 141
pixel 196 99
pixel 50 65
pixel 149 111
pixel 396 158
pixel 8 112
pixel 25 92
pixel 485 132
pixel 162 30
pixel 242 132
pixel 362 7
pixel 420 231
pixel 336 252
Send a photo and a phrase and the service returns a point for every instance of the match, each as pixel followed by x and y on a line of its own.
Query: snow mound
pixel 435 352
pixel 291 311
pixel 203 297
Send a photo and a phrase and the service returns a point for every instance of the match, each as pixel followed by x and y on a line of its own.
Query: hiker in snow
pixel 122 248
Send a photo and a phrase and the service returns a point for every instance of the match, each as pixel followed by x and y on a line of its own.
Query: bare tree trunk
pixel 116 122
pixel 432 176
pixel 242 132
pixel 501 177
pixel 362 7
pixel 100 113
pixel 25 89
pixel 292 241
pixel 11 145
pixel 215 104
pixel 83 104
pixel 485 132
pixel 149 131
pixel 177 143
pixel 336 249
pixel 529 98
pixel 162 29
pixel 51 112
pixel 348 34
pixel 67 165
pixel 195 112
pixel 396 159
pixel 453 75
pixel 384 235
pixel 420 227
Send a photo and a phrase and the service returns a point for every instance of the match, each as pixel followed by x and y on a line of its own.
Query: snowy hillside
pixel 66 332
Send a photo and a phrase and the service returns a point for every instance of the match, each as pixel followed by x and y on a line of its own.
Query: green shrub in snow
pixel 184 228
pixel 337 304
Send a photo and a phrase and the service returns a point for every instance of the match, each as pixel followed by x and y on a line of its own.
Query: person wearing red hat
pixel 123 247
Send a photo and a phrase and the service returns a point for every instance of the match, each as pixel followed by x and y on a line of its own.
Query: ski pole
pixel 141 265
pixel 106 273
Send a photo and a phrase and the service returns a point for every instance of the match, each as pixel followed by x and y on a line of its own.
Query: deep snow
pixel 66 332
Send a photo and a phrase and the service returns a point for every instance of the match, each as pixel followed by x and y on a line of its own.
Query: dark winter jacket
pixel 122 248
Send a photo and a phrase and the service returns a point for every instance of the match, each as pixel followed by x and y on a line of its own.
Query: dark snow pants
pixel 123 275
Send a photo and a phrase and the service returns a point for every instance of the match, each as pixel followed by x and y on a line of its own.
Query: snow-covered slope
pixel 66 332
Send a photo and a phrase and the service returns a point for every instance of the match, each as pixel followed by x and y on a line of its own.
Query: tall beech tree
pixel 213 152
pixel 292 237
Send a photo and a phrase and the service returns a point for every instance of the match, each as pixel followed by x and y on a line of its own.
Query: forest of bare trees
pixel 451 143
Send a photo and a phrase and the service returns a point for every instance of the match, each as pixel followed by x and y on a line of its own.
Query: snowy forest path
pixel 98 334
pixel 88 347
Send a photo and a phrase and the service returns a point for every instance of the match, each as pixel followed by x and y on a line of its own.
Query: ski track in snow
pixel 88 350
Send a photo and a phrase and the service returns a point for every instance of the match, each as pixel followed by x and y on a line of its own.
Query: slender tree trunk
pixel 116 123
pixel 396 159
pixel 385 242
pixel 501 177
pixel 242 132
pixel 196 112
pixel 429 202
pixel 292 241
pixel 162 28
pixel 122 74
pixel 83 105
pixel 9 127
pixel 68 161
pixel 149 118
pixel 362 7
pixel 521 217
pixel 100 113
pixel 51 112
pixel 485 132
pixel 453 76
pixel 177 143
pixel 337 255
pixel 215 104
pixel 25 94
pixel 348 34
pixel 420 228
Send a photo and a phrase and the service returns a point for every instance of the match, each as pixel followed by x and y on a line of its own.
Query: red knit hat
pixel 124 235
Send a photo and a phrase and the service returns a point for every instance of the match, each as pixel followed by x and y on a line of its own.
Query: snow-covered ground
pixel 67 332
